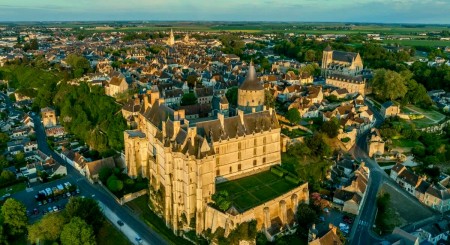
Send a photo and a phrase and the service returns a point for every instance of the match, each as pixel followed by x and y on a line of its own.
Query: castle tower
pixel 251 93
pixel 327 58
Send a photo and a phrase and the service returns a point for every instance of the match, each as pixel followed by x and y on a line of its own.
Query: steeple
pixel 251 81
pixel 171 40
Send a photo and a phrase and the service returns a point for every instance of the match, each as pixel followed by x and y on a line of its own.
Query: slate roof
pixel 251 81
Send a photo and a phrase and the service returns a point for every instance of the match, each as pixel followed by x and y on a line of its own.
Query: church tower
pixel 251 93
pixel 171 40
pixel 327 58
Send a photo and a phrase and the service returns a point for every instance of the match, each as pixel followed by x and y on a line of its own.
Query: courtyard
pixel 251 191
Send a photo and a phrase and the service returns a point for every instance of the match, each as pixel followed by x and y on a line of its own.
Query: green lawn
pixel 140 207
pixel 109 235
pixel 294 133
pixel 432 114
pixel 405 143
pixel 13 189
pixel 254 190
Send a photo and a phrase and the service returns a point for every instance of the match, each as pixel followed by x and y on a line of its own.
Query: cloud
pixel 405 11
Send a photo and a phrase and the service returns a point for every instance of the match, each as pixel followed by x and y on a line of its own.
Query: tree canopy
pixel 293 115
pixel 49 228
pixel 189 99
pixel 331 127
pixel 79 64
pixel 232 95
pixel 14 216
pixel 86 209
pixel 77 232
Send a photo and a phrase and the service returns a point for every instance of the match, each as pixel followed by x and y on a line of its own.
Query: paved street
pixel 87 189
pixel 362 230
pixel 90 190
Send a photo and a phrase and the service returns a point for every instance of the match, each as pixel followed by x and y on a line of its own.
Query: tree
pixel 189 99
pixel 331 127
pixel 232 95
pixel 79 64
pixel 306 216
pixel 4 138
pixel 49 228
pixel 293 115
pixel 222 200
pixel 104 174
pixel 269 100
pixel 15 218
pixel 7 176
pixel 388 85
pixel 77 232
pixel 299 150
pixel 310 55
pixel 191 80
pixel 86 209
pixel 114 184
pixel 3 162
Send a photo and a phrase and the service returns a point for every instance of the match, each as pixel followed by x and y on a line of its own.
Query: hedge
pixel 292 179
pixel 277 171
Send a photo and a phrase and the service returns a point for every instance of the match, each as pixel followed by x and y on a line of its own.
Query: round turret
pixel 251 93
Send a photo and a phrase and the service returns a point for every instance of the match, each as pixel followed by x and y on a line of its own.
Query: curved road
pixel 148 235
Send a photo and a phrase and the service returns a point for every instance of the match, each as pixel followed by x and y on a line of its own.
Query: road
pixel 88 189
pixel 362 230
pixel 91 190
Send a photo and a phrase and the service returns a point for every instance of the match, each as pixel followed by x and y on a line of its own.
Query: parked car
pixel 50 209
pixel 55 209
pixel 120 223
pixel 347 219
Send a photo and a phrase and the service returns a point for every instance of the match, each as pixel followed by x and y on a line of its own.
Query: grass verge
pixel 140 207
pixel 109 235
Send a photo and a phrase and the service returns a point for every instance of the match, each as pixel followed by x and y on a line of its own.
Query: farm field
pixel 416 42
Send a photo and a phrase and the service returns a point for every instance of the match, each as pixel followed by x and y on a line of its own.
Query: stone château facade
pixel 183 163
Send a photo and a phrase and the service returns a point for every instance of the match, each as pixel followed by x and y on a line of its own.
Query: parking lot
pixel 334 217
pixel 54 202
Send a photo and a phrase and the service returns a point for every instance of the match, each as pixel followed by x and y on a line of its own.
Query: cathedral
pixel 184 163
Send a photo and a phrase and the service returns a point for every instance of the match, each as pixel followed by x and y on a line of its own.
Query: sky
pixel 376 11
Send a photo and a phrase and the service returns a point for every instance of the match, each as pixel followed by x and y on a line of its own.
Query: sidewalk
pixel 125 229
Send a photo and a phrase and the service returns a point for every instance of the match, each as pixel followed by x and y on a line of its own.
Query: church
pixel 343 70
pixel 184 163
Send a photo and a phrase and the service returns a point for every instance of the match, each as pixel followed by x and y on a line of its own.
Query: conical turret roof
pixel 251 81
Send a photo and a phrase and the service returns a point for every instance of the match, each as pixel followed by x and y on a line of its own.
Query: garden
pixel 251 191
pixel 120 183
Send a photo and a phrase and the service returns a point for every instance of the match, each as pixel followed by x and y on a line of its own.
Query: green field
pixel 406 143
pixel 254 190
pixel 13 189
pixel 415 42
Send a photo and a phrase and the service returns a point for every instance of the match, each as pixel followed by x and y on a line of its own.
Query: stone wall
pixel 436 128
pixel 283 208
